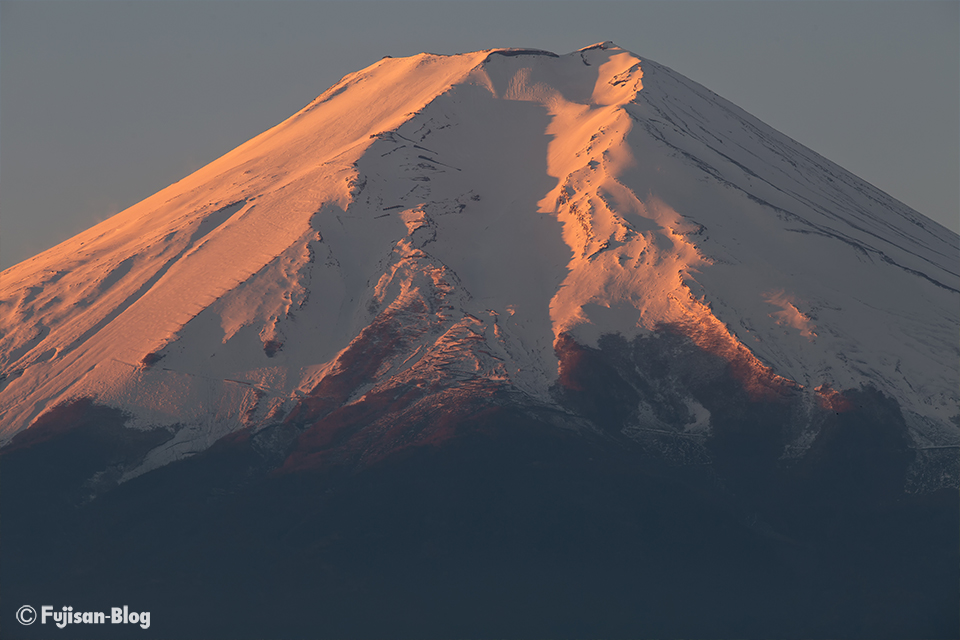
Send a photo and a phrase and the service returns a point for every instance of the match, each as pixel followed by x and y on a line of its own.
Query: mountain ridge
pixel 433 194
pixel 499 345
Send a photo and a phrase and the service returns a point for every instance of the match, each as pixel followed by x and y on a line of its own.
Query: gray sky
pixel 105 103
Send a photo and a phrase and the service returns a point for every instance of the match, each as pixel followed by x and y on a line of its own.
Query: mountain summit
pixel 517 246
pixel 477 208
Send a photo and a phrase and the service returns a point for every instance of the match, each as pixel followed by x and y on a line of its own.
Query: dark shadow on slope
pixel 515 530
pixel 509 526
pixel 840 511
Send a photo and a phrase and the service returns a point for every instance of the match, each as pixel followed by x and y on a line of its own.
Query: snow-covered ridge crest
pixel 480 207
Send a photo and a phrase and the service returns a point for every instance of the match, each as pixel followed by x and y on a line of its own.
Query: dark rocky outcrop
pixel 519 521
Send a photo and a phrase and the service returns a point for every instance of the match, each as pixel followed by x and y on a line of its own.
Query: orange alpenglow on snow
pixel 455 216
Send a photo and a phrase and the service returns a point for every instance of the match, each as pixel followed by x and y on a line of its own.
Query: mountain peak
pixel 475 212
pixel 606 44
pixel 470 336
pixel 510 52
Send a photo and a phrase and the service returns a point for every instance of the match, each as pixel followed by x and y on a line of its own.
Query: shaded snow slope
pixel 488 204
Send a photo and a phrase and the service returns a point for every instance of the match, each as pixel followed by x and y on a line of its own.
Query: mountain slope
pixel 505 344
pixel 514 196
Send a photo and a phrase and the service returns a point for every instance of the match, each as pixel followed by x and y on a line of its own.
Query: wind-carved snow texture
pixel 440 223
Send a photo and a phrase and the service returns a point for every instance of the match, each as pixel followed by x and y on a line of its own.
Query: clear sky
pixel 104 103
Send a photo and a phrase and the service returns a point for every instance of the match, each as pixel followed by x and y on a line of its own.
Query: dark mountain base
pixel 513 529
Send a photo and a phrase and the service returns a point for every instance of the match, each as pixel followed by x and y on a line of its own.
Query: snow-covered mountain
pixel 475 209
pixel 498 345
